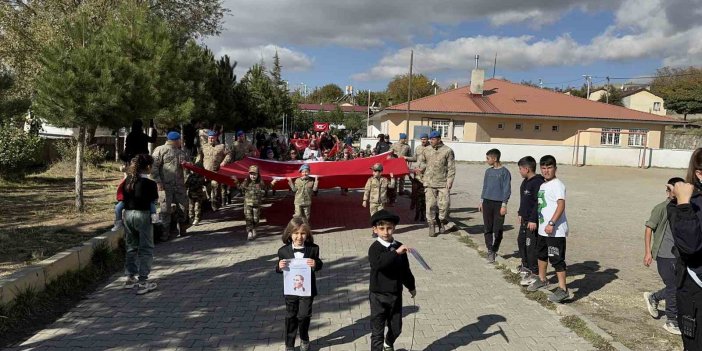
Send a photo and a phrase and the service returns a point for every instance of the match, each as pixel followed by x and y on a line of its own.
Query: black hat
pixel 384 215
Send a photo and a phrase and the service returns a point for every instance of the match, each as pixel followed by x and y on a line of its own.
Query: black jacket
pixel 529 198
pixel 389 271
pixel 137 143
pixel 686 224
pixel 311 251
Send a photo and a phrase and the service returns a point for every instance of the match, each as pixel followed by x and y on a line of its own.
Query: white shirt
pixel 298 254
pixel 549 194
pixel 310 154
pixel 385 243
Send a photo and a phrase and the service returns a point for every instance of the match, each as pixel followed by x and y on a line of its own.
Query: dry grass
pixel 39 217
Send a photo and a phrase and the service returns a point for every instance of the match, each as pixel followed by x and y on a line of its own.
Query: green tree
pixel 224 94
pixel 355 122
pixel 282 102
pixel 612 96
pixel 12 108
pixel 325 95
pixel 380 98
pixel 259 97
pixel 680 88
pixel 397 88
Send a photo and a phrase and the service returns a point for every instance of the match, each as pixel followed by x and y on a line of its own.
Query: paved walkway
pixel 218 291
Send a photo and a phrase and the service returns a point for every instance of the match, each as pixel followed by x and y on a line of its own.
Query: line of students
pixel 543 226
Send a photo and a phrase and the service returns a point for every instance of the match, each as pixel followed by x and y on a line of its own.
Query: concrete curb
pixel 38 275
pixel 562 310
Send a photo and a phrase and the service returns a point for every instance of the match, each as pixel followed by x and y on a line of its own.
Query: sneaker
pixel 529 279
pixel 196 222
pixel 304 345
pixel 253 234
pixel 130 283
pixel 250 236
pixel 442 228
pixel 118 225
pixel 523 271
pixel 388 348
pixel 651 304
pixel 145 286
pixel 559 295
pixel 491 257
pixel 671 327
pixel 517 269
pixel 155 218
pixel 536 285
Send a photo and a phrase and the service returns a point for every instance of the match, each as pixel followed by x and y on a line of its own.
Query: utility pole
pixel 409 93
pixel 494 65
pixel 541 83
pixel 368 117
pixel 588 80
pixel 607 92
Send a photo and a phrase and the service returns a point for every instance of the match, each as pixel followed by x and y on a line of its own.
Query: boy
pixel 196 186
pixel 553 230
pixel 493 201
pixel 662 250
pixel 303 187
pixel 528 216
pixel 376 190
pixel 390 270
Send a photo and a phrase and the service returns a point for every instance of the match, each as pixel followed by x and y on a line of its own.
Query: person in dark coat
pixel 137 141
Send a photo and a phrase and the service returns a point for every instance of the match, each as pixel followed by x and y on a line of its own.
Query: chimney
pixel 477 79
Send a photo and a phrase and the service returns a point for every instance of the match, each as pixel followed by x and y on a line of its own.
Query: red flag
pixel 300 144
pixel 321 127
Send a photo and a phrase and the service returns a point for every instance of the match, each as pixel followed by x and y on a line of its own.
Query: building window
pixel 500 126
pixel 637 139
pixel 518 126
pixel 610 136
pixel 656 106
pixel 441 126
pixel 554 128
pixel 537 127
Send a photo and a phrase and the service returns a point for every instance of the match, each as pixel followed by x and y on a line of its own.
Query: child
pixel 493 201
pixel 253 189
pixel 553 230
pixel 303 187
pixel 419 199
pixel 390 270
pixel 376 191
pixel 196 186
pixel 119 207
pixel 298 241
pixel 662 251
pixel 528 219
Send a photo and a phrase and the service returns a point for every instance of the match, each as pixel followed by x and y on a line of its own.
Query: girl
pixel 298 241
pixel 139 193
pixel 684 220
pixel 253 189
pixel 303 188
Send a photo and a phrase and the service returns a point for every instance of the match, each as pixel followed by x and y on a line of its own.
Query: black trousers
pixel 689 297
pixel 526 242
pixel 386 310
pixel 666 269
pixel 299 310
pixel 493 223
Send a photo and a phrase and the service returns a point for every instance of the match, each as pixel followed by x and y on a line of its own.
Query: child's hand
pixel 413 293
pixel 311 263
pixel 392 175
pixel 289 179
pixel 364 204
pixel 282 264
pixel 402 250
pixel 480 207
pixel 549 229
pixel 503 211
pixel 531 226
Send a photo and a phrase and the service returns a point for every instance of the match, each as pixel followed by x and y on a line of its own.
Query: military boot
pixel 432 231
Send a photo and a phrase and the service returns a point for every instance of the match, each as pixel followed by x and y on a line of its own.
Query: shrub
pixel 94 154
pixel 18 151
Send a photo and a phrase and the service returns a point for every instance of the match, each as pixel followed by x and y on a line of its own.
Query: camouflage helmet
pixel 253 169
pixel 377 167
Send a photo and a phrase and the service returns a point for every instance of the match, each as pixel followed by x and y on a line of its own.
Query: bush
pixel 94 154
pixel 18 151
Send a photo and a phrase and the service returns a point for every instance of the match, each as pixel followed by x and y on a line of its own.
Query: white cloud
pixel 246 57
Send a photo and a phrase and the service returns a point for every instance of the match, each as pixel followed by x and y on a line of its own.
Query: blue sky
pixel 366 42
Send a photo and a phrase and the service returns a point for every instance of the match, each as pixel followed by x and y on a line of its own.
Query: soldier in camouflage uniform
pixel 235 152
pixel 195 185
pixel 376 189
pixel 439 170
pixel 304 187
pixel 168 174
pixel 213 154
pixel 254 189
pixel 402 150
pixel 417 186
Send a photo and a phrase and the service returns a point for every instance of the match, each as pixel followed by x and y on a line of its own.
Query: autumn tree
pixel 327 94
pixel 397 88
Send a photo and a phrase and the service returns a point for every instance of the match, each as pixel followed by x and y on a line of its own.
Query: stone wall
pixel 683 140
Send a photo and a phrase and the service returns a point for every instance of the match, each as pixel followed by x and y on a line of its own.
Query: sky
pixel 365 43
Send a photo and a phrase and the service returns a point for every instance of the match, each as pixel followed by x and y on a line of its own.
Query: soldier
pixel 168 175
pixel 240 148
pixel 197 193
pixel 417 187
pixel 439 169
pixel 376 189
pixel 402 150
pixel 254 188
pixel 213 155
pixel 303 187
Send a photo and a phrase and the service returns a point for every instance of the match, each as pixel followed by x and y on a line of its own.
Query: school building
pixel 502 112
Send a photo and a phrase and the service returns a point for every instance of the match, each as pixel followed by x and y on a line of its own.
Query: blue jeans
pixel 140 243
pixel 666 269
pixel 120 206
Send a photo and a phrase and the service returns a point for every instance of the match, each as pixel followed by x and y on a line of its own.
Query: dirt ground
pixel 606 208
pixel 39 218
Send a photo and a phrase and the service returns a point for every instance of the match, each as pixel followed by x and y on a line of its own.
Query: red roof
pixel 507 98
pixel 331 107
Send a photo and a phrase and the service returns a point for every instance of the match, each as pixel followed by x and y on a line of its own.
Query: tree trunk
pixel 80 207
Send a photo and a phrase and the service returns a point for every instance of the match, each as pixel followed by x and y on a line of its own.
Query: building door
pixel 458 130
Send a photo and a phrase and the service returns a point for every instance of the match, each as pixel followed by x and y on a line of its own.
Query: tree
pixel 355 122
pixel 12 108
pixel 380 98
pixel 282 102
pixel 680 88
pixel 259 97
pixel 582 92
pixel 223 92
pixel 325 95
pixel 612 96
pixel 397 88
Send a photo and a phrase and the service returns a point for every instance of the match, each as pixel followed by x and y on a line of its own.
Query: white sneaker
pixel 146 286
pixel 250 236
pixel 253 233
pixel 118 225
pixel 196 222
pixel 528 279
pixel 155 218
pixel 130 283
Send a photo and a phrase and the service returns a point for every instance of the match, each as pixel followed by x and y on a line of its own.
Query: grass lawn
pixel 39 217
